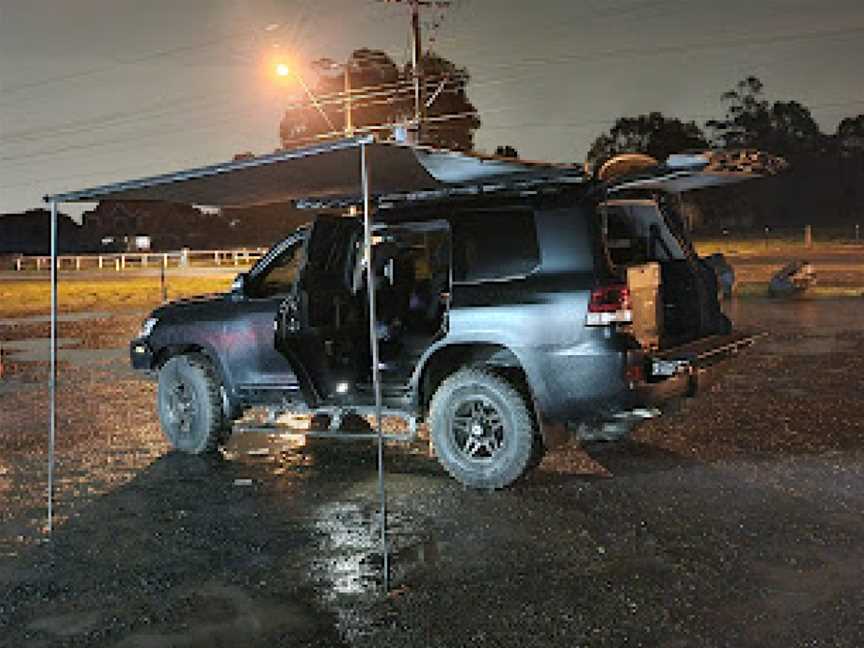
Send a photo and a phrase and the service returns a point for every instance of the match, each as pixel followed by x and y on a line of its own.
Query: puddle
pixel 349 535
pixel 39 350
pixel 67 625
pixel 10 384
pixel 349 560
pixel 832 326
pixel 61 317
pixel 347 567
pixel 805 346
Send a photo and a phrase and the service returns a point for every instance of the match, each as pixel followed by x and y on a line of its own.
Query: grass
pixel 33 296
pixel 757 247
pixel 760 290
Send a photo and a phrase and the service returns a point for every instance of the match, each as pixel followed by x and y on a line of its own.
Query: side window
pixel 494 244
pixel 280 275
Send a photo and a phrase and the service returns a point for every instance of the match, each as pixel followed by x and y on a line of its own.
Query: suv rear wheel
pixel 482 429
pixel 190 404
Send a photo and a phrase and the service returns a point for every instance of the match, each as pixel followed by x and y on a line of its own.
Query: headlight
pixel 147 327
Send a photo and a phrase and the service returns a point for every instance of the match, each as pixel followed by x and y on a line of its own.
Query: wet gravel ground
pixel 734 521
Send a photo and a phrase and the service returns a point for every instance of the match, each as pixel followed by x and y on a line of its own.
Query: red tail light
pixel 609 304
pixel 634 373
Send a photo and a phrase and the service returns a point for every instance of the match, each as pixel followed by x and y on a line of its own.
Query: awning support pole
pixel 52 377
pixel 373 342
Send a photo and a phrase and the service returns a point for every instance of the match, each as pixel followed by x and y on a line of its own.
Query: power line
pixel 390 92
pixel 229 118
pixel 108 120
pixel 153 55
pixel 132 61
pixel 434 121
pixel 567 31
pixel 662 50
pixel 589 56
pixel 337 97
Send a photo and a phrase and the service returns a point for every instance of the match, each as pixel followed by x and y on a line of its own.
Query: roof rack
pixel 533 185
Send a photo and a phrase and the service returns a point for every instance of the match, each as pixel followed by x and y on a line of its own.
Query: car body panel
pixel 573 371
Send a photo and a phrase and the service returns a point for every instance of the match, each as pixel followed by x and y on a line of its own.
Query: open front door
pixel 320 326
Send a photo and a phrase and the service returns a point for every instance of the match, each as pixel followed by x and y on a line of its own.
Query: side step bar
pixel 335 430
pixel 326 434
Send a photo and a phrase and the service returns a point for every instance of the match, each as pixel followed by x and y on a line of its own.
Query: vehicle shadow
pixel 191 552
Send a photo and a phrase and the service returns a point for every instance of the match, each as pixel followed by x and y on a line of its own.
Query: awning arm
pixel 373 343
pixel 52 376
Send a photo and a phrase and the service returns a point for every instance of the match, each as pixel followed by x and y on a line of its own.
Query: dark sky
pixel 93 91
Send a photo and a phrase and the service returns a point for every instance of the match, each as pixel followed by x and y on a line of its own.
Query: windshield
pixel 277 270
pixel 274 251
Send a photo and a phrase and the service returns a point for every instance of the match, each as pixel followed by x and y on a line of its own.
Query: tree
pixel 370 70
pixel 506 151
pixel 785 128
pixel 850 134
pixel 452 118
pixel 382 94
pixel 652 134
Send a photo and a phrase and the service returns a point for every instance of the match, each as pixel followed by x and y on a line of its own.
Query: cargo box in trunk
pixel 646 303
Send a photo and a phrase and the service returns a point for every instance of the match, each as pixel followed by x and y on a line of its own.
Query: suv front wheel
pixel 190 404
pixel 482 429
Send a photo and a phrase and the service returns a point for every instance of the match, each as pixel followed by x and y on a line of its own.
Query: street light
pixel 283 70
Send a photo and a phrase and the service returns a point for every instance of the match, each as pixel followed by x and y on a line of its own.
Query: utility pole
pixel 416 63
pixel 349 121
pixel 417 53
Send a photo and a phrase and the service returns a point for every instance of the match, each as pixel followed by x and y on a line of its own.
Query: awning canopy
pixel 323 171
pixel 330 172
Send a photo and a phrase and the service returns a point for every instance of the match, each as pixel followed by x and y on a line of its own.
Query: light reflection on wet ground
pixel 801 327
pixel 276 541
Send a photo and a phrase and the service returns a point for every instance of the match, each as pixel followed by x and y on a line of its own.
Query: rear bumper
pixel 697 367
pixel 653 394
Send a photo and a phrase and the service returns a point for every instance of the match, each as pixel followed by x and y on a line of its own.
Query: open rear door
pixel 687 172
pixel 320 327
pixel 647 230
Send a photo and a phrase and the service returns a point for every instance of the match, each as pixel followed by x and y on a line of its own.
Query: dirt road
pixel 736 521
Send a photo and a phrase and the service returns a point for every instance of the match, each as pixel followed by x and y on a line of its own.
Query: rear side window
pixel 494 244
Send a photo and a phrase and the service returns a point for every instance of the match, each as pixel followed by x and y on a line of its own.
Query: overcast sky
pixel 94 91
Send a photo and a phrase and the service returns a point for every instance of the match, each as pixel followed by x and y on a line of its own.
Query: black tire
pixel 229 415
pixel 190 404
pixel 538 453
pixel 482 429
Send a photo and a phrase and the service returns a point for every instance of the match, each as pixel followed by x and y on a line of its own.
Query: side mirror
pixel 238 286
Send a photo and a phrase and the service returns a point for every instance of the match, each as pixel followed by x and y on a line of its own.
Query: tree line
pixel 784 128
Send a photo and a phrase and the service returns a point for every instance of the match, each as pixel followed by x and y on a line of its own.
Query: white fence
pixel 120 261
